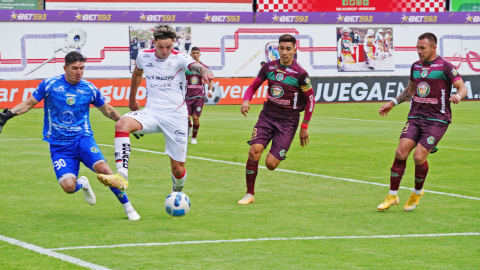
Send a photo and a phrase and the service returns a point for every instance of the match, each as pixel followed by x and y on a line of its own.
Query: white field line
pixel 20 140
pixel 305 173
pixel 272 239
pixel 51 253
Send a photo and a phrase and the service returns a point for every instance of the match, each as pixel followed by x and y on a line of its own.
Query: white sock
pixel 82 182
pixel 122 152
pixel 128 207
pixel 418 192
pixel 179 182
pixel 393 192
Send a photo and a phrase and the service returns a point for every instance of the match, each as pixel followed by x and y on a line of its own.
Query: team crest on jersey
pixel 94 149
pixel 424 73
pixel 70 101
pixel 454 72
pixel 431 140
pixel 279 77
pixel 423 89
pixel 194 80
pixel 168 65
pixel 277 91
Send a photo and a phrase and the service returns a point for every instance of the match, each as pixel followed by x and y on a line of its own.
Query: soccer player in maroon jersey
pixel 431 80
pixel 289 93
pixel 195 96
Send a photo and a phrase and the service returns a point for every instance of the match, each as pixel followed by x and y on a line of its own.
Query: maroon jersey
pixel 286 85
pixel 433 81
pixel 194 85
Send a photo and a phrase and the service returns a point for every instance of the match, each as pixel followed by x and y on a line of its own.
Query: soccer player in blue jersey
pixel 67 128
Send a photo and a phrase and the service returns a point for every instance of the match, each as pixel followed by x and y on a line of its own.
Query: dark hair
pixel 287 38
pixel 431 37
pixel 164 31
pixel 263 62
pixel 195 49
pixel 73 57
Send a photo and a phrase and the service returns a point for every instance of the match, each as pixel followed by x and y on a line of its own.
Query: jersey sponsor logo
pixel 291 70
pixel 423 89
pixel 59 89
pixel 283 102
pixel 94 149
pixel 70 101
pixel 180 133
pixel 79 91
pixel 431 140
pixel 454 72
pixel 160 85
pixel 158 78
pixel 418 65
pixel 194 80
pixel 436 65
pixel 424 73
pixel 272 67
pixel 149 65
pixel 425 100
pixel 146 56
pixel 277 91
pixel 279 77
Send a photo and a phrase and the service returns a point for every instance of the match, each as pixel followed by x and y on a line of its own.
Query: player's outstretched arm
pixel 461 91
pixel 199 69
pixel 110 112
pixel 21 108
pixel 137 77
pixel 405 95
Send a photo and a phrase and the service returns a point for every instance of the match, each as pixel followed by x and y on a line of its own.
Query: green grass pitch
pixel 299 221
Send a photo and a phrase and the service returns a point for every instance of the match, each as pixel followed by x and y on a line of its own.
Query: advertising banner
pixel 21 4
pixel 464 5
pixel 351 5
pixel 170 5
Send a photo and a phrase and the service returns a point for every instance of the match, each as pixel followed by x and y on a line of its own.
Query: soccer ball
pixel 177 204
pixel 216 96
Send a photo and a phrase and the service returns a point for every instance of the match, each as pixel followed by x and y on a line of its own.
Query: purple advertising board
pixel 124 16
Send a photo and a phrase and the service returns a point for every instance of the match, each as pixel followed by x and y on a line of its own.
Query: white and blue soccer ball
pixel 177 204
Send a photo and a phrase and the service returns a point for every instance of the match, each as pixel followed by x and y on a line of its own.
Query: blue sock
pixel 121 195
pixel 77 187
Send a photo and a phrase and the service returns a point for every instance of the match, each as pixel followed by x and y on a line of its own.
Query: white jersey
pixel 166 79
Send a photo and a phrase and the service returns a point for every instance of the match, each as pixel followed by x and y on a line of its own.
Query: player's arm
pixel 461 91
pixel 405 95
pixel 199 69
pixel 210 89
pixel 307 90
pixel 137 77
pixel 110 112
pixel 20 108
pixel 261 77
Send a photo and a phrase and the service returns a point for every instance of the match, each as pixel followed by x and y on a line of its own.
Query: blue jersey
pixel 67 109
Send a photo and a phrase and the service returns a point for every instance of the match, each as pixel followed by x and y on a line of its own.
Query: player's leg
pixel 179 174
pixel 408 141
pixel 190 103
pixel 190 126
pixel 198 108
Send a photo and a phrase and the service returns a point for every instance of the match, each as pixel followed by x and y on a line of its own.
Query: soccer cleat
pixel 132 215
pixel 193 141
pixel 88 192
pixel 413 201
pixel 115 180
pixel 248 199
pixel 190 131
pixel 389 200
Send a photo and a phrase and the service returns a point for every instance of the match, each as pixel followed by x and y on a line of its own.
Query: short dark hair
pixel 195 49
pixel 431 37
pixel 164 31
pixel 73 57
pixel 263 62
pixel 287 38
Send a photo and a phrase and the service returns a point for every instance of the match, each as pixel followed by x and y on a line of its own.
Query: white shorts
pixel 174 127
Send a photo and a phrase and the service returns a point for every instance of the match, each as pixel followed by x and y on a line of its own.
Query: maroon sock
pixel 251 173
pixel 420 175
pixel 189 124
pixel 397 171
pixel 195 130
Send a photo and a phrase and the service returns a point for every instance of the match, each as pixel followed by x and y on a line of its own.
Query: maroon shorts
pixel 195 105
pixel 280 131
pixel 425 132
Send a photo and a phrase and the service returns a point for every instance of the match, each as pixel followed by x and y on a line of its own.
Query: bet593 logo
pixel 92 17
pixel 157 18
pixel 27 17
pixel 284 19
pixel 357 19
pixel 419 19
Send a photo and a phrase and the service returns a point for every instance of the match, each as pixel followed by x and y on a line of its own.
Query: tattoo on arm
pixel 199 69
pixel 114 117
pixel 407 93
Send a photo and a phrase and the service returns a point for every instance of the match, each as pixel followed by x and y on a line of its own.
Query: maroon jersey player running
pixel 289 93
pixel 431 80
pixel 195 96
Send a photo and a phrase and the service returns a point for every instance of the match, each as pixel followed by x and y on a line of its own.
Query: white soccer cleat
pixel 248 199
pixel 132 215
pixel 88 192
pixel 193 141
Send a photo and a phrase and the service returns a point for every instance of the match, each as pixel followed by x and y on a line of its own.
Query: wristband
pixel 304 126
pixel 395 102
pixel 210 91
pixel 459 96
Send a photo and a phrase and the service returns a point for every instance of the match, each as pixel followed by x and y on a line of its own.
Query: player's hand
pixel 133 105
pixel 386 108
pixel 455 98
pixel 207 77
pixel 304 140
pixel 210 94
pixel 245 107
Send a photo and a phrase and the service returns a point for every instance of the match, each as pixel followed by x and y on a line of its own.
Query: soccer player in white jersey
pixel 165 111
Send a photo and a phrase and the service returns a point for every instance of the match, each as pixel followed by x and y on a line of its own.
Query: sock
pixel 251 173
pixel 393 192
pixel 79 185
pixel 121 195
pixel 396 174
pixel 195 131
pixel 122 152
pixel 179 181
pixel 128 207
pixel 420 175
pixel 418 192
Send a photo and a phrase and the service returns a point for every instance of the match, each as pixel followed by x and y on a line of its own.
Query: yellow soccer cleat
pixel 413 201
pixel 248 199
pixel 389 200
pixel 115 180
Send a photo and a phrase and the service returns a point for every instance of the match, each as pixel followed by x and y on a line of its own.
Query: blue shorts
pixel 66 158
